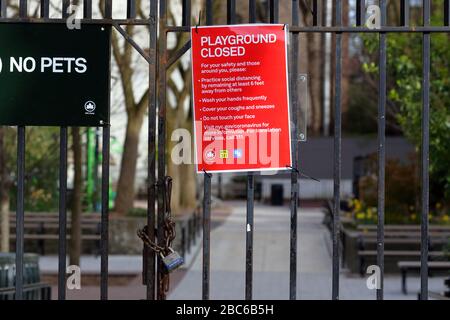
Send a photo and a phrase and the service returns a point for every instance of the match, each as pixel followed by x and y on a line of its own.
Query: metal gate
pixel 338 29
pixel 159 62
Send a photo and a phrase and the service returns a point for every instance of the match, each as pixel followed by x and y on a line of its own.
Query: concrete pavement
pixel 271 264
pixel 271 261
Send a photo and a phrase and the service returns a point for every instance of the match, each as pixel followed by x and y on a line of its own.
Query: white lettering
pixel 57 64
pixel 81 65
pixel 14 64
pixel 46 63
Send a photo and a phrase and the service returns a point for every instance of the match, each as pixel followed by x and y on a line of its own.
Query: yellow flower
pixel 360 215
pixel 438 205
pixel 445 218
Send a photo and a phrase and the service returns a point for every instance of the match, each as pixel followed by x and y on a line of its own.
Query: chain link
pixel 169 235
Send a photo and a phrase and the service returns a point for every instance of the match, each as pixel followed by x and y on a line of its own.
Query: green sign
pixel 53 76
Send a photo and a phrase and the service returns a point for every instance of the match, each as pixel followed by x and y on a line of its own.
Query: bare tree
pixel 135 111
pixel 4 195
pixel 177 117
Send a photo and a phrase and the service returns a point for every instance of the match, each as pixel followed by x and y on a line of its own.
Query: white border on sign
pixel 286 42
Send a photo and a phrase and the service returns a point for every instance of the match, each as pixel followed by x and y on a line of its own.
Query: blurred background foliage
pixel 404 65
pixel 41 164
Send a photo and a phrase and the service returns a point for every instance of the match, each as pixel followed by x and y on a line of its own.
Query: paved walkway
pixel 271 261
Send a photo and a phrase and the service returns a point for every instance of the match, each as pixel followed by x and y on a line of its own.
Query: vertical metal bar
pixel 404 12
pixel 62 243
pixel 425 152
pixel 209 12
pixel 2 8
pixel 62 214
pixel 23 8
pixel 231 11
pixel 151 213
pixel 231 19
pixel 131 9
pixel 274 11
pixel 206 236
pixel 316 12
pixel 20 214
pixel 162 76
pixel 207 203
pixel 45 8
pixel 96 164
pixel 186 13
pixel 250 205
pixel 295 154
pixel 104 245
pixel 249 237
pixel 105 213
pixel 337 155
pixel 381 149
pixel 65 8
pixel 87 9
pixel 360 12
pixel 108 9
pixel 447 12
pixel 252 10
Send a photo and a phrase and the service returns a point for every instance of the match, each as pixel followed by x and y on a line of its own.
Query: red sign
pixel 241 98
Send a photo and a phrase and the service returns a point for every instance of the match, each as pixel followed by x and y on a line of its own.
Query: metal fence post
pixel 425 151
pixel 337 155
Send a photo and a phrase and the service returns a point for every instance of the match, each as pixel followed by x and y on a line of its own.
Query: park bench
pixel 365 254
pixel 433 266
pixel 44 227
pixel 414 227
pixel 395 241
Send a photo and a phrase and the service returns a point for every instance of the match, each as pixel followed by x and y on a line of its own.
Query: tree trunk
pixel 314 70
pixel 173 170
pixel 4 196
pixel 188 196
pixel 346 64
pixel 333 69
pixel 4 213
pixel 75 231
pixel 188 176
pixel 125 186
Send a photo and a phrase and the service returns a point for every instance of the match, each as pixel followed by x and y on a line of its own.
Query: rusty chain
pixel 169 235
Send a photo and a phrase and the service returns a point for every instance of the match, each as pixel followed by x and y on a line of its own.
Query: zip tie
pixel 199 20
pixel 302 174
pixel 208 174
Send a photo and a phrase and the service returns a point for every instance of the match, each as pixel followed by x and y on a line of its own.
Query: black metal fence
pixel 21 143
pixel 338 29
pixel 159 61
